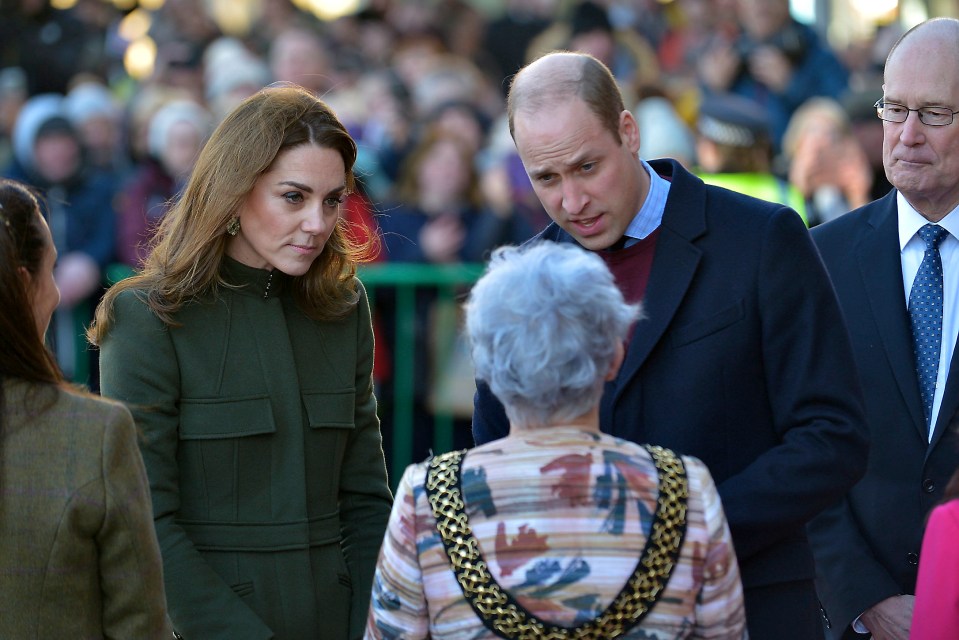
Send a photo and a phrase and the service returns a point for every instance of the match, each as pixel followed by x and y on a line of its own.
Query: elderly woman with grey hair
pixel 558 530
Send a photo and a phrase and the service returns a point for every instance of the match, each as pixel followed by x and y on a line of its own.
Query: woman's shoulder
pixel 99 409
pixel 131 298
pixel 693 465
pixel 359 287
pixel 129 308
pixel 81 410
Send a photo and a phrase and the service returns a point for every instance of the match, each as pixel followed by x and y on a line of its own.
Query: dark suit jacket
pixel 743 362
pixel 867 546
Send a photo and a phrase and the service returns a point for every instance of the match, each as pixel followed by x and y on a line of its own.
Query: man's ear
pixel 629 131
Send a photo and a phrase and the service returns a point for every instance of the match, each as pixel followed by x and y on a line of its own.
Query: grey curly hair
pixel 544 323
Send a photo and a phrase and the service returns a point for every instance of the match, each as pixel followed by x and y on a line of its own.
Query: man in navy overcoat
pixel 742 359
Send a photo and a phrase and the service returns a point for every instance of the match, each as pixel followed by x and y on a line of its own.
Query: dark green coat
pixel 264 455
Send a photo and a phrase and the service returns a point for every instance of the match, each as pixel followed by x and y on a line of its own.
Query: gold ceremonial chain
pixel 503 615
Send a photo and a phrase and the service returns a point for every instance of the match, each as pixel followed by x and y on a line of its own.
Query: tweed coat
pixel 264 455
pixel 78 553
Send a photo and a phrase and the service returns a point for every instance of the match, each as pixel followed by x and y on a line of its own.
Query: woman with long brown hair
pixel 79 554
pixel 244 349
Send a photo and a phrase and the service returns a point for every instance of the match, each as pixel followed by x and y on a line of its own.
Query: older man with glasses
pixel 895 266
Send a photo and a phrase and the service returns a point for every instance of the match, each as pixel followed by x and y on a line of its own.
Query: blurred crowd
pixel 737 90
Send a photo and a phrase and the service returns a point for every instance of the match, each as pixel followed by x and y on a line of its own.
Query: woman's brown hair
pixel 190 244
pixel 23 241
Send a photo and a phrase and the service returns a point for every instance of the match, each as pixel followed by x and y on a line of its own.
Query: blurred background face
pixel 182 147
pixel 698 14
pixel 598 43
pixel 56 156
pixel 820 131
pixel 459 121
pixel 299 57
pixel 101 135
pixel 444 172
pixel 763 18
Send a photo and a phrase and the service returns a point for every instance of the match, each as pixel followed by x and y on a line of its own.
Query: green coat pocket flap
pixel 226 418
pixel 330 409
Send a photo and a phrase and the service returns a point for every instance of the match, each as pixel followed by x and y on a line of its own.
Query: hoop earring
pixel 233 226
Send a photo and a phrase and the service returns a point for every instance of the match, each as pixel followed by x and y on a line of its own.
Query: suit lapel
pixel 881 271
pixel 674 264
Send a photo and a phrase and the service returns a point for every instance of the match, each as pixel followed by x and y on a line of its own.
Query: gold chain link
pixel 506 617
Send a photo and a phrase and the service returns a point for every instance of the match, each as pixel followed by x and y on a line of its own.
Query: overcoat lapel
pixel 674 265
pixel 881 271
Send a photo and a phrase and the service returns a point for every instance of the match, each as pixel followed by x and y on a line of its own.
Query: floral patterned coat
pixel 561 516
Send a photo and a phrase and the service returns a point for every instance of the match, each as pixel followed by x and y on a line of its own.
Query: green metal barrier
pixel 81 359
pixel 406 279
pixel 117 272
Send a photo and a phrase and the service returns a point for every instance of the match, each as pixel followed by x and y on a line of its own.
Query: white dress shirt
pixel 912 248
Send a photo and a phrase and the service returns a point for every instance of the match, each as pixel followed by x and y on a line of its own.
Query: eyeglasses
pixel 931 116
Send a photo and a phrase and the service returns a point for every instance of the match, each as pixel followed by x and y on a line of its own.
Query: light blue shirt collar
pixel 650 214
